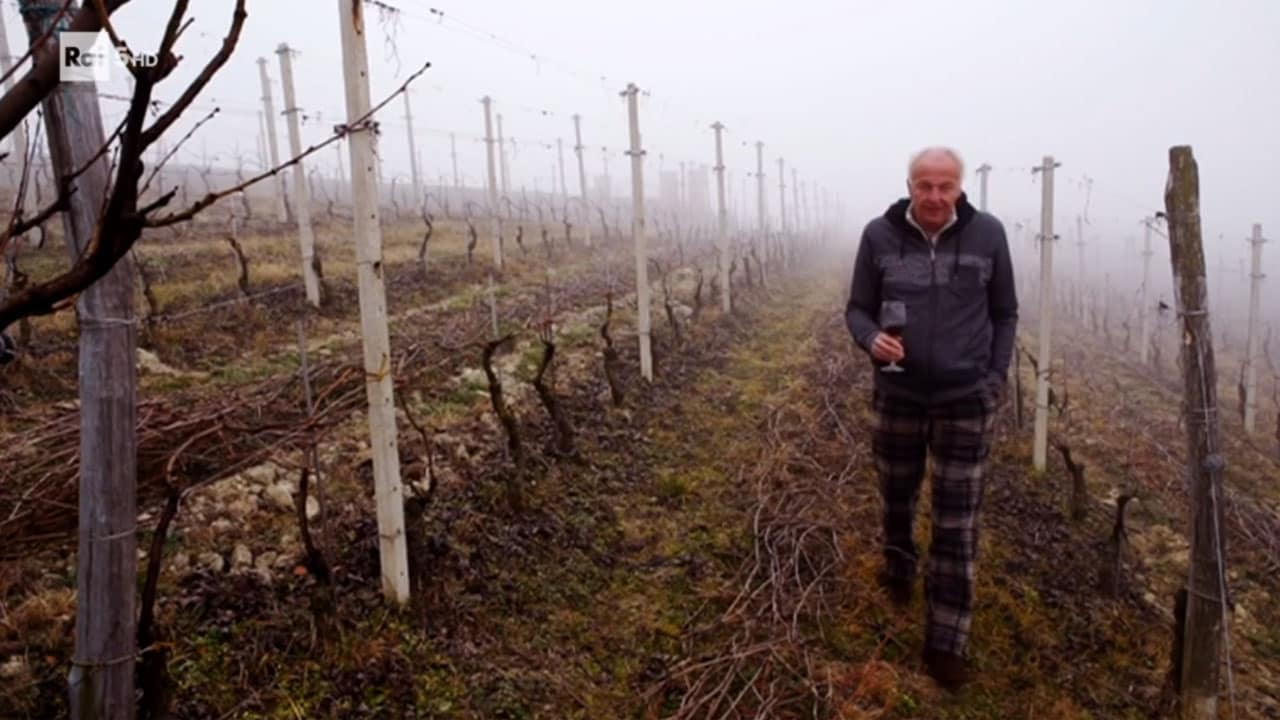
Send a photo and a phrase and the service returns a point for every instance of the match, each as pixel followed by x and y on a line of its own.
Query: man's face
pixel 935 187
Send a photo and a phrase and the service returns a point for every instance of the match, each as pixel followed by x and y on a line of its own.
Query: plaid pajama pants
pixel 958 435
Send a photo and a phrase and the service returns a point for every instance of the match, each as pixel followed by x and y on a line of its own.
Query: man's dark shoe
pixel 900 590
pixel 949 671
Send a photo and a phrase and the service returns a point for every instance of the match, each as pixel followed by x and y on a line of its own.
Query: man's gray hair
pixel 931 151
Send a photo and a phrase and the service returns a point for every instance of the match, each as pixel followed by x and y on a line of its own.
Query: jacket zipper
pixel 933 305
pixel 933 311
pixel 933 295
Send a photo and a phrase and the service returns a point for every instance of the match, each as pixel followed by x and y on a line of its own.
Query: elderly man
pixel 933 304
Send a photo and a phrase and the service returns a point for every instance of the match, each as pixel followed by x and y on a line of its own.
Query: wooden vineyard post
pixel 101 679
pixel 1204 627
pixel 389 495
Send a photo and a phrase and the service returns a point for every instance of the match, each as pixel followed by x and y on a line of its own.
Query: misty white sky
pixel 843 90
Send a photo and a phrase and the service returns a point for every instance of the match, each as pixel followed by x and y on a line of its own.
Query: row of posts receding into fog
pixel 1145 319
pixel 806 215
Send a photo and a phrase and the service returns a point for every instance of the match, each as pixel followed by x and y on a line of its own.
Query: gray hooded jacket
pixel 962 308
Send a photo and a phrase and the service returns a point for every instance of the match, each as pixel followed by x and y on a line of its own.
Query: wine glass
pixel 893 318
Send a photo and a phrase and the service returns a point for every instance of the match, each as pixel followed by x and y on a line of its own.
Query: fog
pixel 844 91
pixel 593 483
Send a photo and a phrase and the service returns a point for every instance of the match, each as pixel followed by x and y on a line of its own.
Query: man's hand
pixel 996 385
pixel 886 348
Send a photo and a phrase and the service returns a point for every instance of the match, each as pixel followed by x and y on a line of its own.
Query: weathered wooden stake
pixel 1206 583
pixel 101 679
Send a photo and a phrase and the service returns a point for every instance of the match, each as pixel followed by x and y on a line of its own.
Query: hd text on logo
pixel 91 57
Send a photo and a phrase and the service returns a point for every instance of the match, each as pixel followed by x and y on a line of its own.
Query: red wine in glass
pixel 893 319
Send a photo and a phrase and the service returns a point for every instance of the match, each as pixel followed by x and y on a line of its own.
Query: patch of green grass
pixel 461 300
pixel 204 667
pixel 166 384
pixel 530 358
pixel 460 396
pixel 671 486
pixel 245 373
